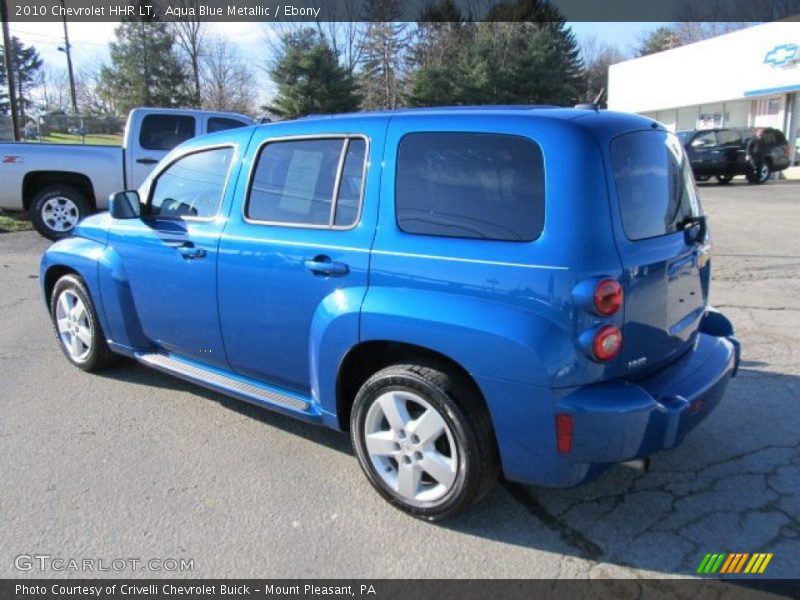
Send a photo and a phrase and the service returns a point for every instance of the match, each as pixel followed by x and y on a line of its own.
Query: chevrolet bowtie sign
pixel 782 55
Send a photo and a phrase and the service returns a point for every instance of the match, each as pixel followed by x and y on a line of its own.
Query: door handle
pixel 187 249
pixel 146 161
pixel 322 265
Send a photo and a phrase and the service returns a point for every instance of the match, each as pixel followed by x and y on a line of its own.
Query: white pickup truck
pixel 61 183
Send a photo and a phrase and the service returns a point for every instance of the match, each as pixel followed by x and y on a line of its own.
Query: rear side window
pixel 470 185
pixel 221 124
pixel 164 132
pixel 729 137
pixel 295 182
pixel 655 187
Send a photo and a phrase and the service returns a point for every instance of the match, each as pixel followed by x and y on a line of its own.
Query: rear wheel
pixel 56 210
pixel 415 444
pixel 77 327
pixel 760 174
pixel 724 179
pixel 702 178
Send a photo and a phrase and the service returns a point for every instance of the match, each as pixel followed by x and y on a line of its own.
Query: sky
pixel 89 42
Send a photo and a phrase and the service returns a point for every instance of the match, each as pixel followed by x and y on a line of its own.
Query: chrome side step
pixel 223 383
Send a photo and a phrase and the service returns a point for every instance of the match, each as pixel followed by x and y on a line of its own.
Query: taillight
pixel 607 342
pixel 564 433
pixel 607 297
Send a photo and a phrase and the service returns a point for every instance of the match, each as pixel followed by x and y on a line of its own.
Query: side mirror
pixel 125 205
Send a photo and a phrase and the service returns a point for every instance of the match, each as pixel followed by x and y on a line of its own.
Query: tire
pixel 56 210
pixel 78 331
pixel 702 178
pixel 433 476
pixel 760 174
pixel 724 179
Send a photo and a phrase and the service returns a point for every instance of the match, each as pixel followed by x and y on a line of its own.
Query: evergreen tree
pixel 26 65
pixel 309 77
pixel 523 54
pixel 145 69
pixel 658 40
pixel 381 76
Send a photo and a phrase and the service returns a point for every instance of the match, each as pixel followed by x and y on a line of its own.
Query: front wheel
pixel 415 444
pixel 56 210
pixel 77 327
pixel 724 179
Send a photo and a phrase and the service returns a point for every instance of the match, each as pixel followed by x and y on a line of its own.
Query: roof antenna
pixel 599 95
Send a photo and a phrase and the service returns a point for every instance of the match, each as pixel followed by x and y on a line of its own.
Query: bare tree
pixel 345 33
pixel 189 34
pixel 597 58
pixel 226 81
pixel 92 94
pixel 53 87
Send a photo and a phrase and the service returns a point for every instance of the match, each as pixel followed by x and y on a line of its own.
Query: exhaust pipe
pixel 642 465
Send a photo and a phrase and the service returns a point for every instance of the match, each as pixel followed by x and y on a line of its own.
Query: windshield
pixel 655 187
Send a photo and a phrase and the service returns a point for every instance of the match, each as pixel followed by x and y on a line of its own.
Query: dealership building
pixel 748 78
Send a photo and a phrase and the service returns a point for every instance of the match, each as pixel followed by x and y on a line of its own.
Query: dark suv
pixel 722 153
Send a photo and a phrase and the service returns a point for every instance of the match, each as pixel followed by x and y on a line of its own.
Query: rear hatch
pixel 660 234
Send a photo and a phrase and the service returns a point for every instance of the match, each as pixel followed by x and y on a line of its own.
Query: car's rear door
pixel 295 254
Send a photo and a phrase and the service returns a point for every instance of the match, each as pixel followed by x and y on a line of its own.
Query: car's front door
pixel 158 134
pixel 170 255
pixel 704 154
pixel 295 256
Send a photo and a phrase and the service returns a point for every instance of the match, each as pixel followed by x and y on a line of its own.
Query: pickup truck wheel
pixel 415 444
pixel 724 179
pixel 77 327
pixel 57 209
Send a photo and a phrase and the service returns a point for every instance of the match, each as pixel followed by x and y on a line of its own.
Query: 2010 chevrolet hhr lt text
pixel 443 283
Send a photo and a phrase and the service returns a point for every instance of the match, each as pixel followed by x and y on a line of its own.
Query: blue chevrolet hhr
pixel 471 292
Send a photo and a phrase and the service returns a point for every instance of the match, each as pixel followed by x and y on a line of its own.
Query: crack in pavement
pixel 585 547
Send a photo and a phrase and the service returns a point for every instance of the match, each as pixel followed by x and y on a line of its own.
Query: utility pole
pixel 66 50
pixel 12 92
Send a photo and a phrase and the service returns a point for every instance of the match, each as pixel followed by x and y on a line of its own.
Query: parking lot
pixel 135 464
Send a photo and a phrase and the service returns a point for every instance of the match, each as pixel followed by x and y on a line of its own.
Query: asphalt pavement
pixel 133 464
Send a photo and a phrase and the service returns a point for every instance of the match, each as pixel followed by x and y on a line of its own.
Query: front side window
pixel 470 185
pixel 192 186
pixel 164 132
pixel 655 188
pixel 707 139
pixel 295 182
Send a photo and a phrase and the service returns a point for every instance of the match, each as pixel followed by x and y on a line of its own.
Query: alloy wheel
pixel 411 447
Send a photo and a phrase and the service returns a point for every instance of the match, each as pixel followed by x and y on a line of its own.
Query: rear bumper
pixel 618 421
pixel 621 421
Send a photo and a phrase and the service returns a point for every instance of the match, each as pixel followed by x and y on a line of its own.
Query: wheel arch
pixel 367 358
pixel 51 276
pixel 35 181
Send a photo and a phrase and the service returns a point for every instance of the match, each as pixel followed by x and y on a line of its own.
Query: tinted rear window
pixel 655 187
pixel 470 185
